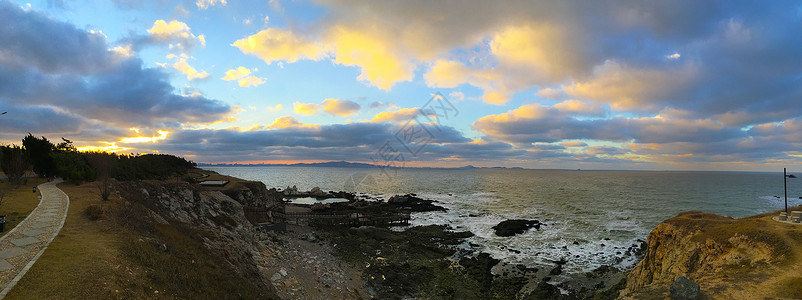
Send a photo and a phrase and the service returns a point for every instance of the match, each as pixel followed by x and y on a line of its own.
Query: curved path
pixel 23 245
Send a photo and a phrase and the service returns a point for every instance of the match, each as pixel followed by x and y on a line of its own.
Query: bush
pixel 93 212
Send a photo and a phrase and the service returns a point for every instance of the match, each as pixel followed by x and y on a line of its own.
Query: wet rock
pixel 414 203
pixel 291 191
pixel 557 270
pixel 515 226
pixel 318 193
pixel 684 289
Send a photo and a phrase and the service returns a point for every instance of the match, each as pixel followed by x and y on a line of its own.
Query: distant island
pixel 344 164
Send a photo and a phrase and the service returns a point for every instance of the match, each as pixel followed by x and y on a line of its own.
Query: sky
pixel 641 85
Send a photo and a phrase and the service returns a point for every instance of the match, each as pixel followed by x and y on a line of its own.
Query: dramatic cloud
pixel 289 139
pixel 83 83
pixel 28 38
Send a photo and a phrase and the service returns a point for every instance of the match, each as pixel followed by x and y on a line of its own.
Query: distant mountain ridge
pixel 340 164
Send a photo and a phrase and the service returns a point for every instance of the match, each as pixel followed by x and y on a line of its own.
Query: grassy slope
pixel 101 259
pixel 18 202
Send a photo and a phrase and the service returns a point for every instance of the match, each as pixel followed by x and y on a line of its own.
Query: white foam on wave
pixel 779 201
pixel 560 238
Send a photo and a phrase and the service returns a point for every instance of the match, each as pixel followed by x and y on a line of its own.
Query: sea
pixel 591 217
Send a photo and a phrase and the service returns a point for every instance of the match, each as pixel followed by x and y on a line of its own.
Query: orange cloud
pixel 251 81
pixel 340 107
pixel 237 73
pixel 403 114
pixel 580 107
pixel 192 74
pixel 380 66
pixel 450 74
pixel 274 44
pixel 305 108
pixel 625 87
pixel 537 48
pixel 175 31
pixel 288 122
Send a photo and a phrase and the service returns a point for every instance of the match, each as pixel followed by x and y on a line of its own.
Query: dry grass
pixel 18 202
pixel 778 277
pixel 105 258
pixel 82 262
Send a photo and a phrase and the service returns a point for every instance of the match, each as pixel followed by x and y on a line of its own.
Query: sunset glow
pixel 534 84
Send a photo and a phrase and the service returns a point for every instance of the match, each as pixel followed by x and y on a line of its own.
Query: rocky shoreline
pixel 418 261
pixel 312 260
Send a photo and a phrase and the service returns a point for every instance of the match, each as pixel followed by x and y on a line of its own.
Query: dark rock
pixel 557 270
pixel 601 271
pixel 684 289
pixel 516 226
pixel 544 290
pixel 479 268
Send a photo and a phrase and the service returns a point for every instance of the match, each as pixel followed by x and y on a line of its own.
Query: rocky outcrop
pixel 412 203
pixel 684 289
pixel 516 226
pixel 708 249
pixel 253 194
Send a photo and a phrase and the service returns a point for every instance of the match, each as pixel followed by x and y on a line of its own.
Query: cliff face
pixel 214 219
pixel 723 255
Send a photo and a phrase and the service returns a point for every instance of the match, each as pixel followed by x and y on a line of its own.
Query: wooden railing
pixel 277 215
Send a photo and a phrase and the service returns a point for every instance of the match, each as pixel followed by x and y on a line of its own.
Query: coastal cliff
pixel 729 258
pixel 173 215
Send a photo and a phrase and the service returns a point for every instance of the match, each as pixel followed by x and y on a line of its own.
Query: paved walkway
pixel 23 245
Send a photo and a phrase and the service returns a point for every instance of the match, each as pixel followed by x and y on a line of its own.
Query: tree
pixel 73 167
pixel 103 163
pixel 39 151
pixel 13 163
